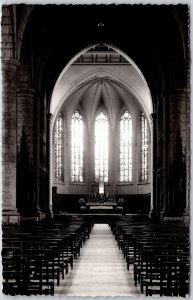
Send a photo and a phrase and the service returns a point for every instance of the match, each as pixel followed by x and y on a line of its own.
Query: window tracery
pixel 101 148
pixel 77 148
pixel 144 148
pixel 58 147
pixel 126 148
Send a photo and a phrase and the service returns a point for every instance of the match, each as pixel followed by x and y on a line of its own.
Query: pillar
pixel 40 172
pixel 25 115
pixel 153 166
pixel 9 140
pixel 25 122
pixel 49 122
pixel 111 188
pixel 165 159
pixel 186 214
pixel 178 154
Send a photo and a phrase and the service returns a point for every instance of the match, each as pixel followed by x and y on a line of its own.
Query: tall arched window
pixel 77 148
pixel 58 141
pixel 126 147
pixel 144 148
pixel 101 148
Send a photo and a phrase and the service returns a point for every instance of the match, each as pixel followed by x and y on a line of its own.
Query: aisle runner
pixel 101 269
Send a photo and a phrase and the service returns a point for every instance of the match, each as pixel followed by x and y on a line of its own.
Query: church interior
pixel 95 150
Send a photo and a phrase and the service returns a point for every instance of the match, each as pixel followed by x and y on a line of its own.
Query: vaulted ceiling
pixel 101 76
pixel 153 36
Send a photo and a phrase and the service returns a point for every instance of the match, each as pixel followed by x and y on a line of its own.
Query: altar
pixel 103 205
pixel 101 202
pixel 98 207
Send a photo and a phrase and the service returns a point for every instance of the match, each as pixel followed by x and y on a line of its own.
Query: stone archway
pixel 69 83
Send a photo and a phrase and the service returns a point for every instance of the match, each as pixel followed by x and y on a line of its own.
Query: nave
pixel 95 130
pixel 101 269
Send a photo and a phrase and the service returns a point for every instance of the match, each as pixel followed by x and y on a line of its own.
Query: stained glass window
pixel 144 148
pixel 77 148
pixel 58 147
pixel 101 148
pixel 126 147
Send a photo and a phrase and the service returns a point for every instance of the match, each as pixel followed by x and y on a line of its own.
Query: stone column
pixel 165 159
pixel 178 152
pixel 9 140
pixel 91 160
pixel 111 174
pixel 49 127
pixel 116 158
pixel 178 116
pixel 182 101
pixel 27 121
pixel 186 214
pixel 41 195
pixel 25 115
pixel 153 166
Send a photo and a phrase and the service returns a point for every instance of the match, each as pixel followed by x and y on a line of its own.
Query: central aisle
pixel 101 269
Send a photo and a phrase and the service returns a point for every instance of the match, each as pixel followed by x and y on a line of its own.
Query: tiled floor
pixel 100 270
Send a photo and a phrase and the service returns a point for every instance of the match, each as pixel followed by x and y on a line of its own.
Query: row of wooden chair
pixel 159 253
pixel 36 256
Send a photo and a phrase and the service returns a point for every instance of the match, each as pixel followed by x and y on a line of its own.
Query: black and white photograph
pixel 95 150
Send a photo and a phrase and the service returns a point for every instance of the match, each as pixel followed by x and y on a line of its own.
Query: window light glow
pixel 77 148
pixel 101 148
pixel 58 147
pixel 126 148
pixel 144 148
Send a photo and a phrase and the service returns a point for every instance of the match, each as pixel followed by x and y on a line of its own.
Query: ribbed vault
pixel 100 76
